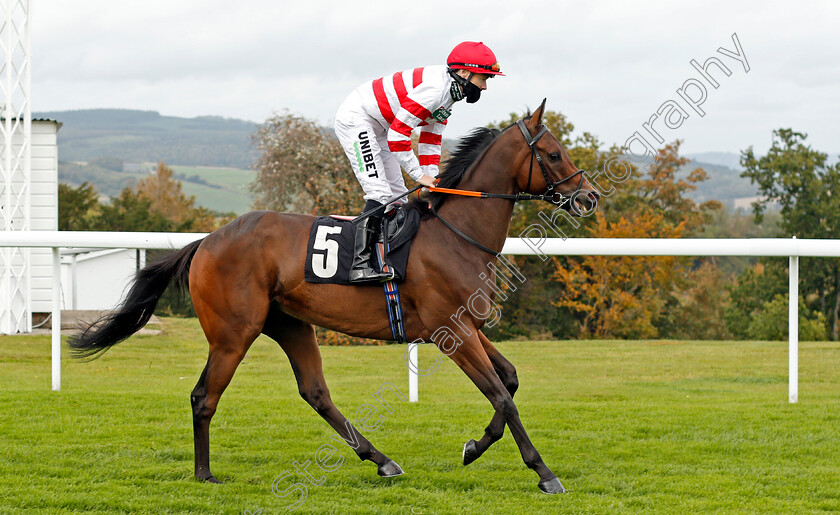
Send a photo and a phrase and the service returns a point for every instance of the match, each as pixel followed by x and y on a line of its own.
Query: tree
pixel 166 198
pixel 619 297
pixel 701 305
pixel 805 185
pixel 131 212
pixel 157 204
pixel 662 190
pixel 771 322
pixel 302 168
pixel 727 223
pixel 640 297
pixel 754 286
pixel 77 207
pixel 523 317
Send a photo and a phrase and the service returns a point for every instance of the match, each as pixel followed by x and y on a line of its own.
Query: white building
pixel 90 280
pixel 28 201
pixel 97 279
pixel 44 210
pixel 29 185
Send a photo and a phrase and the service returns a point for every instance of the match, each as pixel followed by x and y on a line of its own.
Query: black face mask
pixel 466 90
pixel 472 92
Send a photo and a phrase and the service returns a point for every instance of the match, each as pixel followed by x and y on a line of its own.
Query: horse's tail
pixel 137 308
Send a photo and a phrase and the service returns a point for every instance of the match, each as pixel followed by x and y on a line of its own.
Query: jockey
pixel 374 125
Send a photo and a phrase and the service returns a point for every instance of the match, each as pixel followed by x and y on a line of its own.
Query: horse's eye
pixel 555 156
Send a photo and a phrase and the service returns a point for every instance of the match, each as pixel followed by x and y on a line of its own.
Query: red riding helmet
pixel 475 57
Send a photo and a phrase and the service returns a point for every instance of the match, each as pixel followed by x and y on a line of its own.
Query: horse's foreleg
pixel 473 360
pixel 297 339
pixel 494 431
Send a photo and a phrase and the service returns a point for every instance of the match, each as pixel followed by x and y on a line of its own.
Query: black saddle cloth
pixel 329 254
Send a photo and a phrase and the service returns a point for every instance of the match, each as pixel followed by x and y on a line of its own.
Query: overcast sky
pixel 608 66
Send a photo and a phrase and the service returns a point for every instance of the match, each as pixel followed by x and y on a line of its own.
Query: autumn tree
pixel 611 296
pixel 524 317
pixel 79 209
pixel 302 168
pixel 640 296
pixel 700 304
pixel 619 297
pixel 167 199
pixel 131 212
pixel 663 189
pixel 156 203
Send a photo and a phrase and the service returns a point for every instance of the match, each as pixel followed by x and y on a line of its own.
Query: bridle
pixel 554 197
pixel 551 194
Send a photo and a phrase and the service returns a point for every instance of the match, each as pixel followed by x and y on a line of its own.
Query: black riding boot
pixel 365 266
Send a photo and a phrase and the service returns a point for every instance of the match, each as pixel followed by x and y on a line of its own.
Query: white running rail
pixel 792 248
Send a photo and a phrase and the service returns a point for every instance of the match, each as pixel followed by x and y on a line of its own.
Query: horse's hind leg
pixel 227 348
pixel 298 341
pixel 231 322
pixel 494 431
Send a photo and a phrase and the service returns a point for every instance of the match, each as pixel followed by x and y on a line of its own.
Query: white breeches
pixel 366 146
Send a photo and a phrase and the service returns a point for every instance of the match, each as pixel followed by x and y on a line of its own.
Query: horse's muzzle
pixel 583 202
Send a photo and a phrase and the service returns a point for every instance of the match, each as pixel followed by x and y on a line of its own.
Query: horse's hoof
pixel 470 452
pixel 390 469
pixel 210 479
pixel 552 486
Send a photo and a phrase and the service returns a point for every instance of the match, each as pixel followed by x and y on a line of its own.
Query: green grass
pixel 233 194
pixel 222 200
pixel 230 177
pixel 627 426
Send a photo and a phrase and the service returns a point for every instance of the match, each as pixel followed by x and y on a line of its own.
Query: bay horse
pixel 247 278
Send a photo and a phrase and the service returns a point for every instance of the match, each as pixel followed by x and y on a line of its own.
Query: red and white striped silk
pixel 406 100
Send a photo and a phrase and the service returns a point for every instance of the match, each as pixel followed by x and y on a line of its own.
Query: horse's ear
pixel 536 118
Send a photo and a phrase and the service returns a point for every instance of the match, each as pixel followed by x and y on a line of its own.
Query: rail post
pixel 413 379
pixel 793 330
pixel 56 319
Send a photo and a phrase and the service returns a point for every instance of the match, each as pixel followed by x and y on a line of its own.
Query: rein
pixel 551 199
pixel 464 236
pixel 551 195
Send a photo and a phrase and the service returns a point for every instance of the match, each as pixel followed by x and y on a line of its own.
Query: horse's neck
pixel 485 220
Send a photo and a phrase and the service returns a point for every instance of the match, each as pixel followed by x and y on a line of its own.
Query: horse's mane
pixel 469 149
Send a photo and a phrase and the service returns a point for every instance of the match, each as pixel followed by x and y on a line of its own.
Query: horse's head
pixel 549 171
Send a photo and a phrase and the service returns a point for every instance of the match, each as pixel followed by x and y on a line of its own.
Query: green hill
pixel 113 148
pixel 725 184
pixel 147 136
pixel 212 155
pixel 219 189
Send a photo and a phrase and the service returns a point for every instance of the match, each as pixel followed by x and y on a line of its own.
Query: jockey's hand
pixel 427 180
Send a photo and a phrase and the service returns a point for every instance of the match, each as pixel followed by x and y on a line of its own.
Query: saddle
pixel 329 253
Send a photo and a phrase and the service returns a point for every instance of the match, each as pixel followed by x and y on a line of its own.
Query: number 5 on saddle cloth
pixel 329 254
